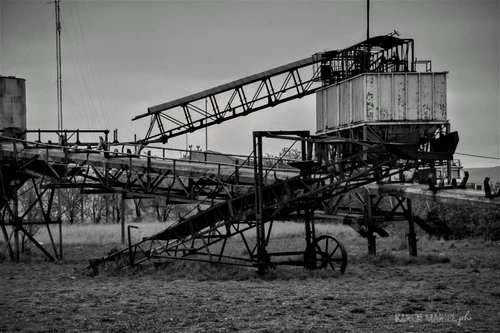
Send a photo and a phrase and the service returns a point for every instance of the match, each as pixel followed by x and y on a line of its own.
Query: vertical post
pixel 17 223
pixel 206 126
pixel 236 172
pixel 433 174
pixel 58 61
pixel 450 162
pixel 122 218
pixel 258 177
pixel 7 240
pixel 131 255
pixel 303 148
pixel 412 237
pixel 372 243
pixel 148 175
pixel 310 258
pixel 367 19
pixel 60 241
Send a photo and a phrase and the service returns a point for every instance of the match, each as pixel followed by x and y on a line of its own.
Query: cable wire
pixel 479 156
pixel 15 29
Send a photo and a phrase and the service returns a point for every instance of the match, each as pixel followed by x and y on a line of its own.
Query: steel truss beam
pixel 105 172
pixel 276 86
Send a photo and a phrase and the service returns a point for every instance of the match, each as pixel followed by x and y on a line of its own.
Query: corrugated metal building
pixel 383 98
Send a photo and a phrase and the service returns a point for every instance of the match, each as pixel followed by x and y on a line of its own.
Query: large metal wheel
pixel 327 252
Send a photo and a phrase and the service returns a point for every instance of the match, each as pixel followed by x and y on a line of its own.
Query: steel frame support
pixel 372 242
pixel 259 205
pixel 412 236
pixel 192 236
pixel 18 222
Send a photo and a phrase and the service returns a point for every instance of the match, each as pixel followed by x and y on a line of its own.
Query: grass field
pixel 103 234
pixel 391 292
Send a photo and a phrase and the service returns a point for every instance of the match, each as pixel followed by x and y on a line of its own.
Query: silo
pixel 12 103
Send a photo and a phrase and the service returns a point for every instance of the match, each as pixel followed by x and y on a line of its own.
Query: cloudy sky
pixel 121 57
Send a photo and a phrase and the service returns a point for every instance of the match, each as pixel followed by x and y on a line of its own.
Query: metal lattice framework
pixel 276 86
pixel 240 200
pixel 205 234
pixel 43 169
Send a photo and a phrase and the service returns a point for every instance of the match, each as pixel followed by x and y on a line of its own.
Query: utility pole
pixel 367 19
pixel 58 65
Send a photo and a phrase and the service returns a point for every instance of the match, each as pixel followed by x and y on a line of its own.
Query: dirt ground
pixel 453 288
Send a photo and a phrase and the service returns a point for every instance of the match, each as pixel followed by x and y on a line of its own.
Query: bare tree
pixel 138 208
pixel 71 204
pixel 96 208
pixel 161 208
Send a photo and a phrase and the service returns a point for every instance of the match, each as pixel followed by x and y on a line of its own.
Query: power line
pixel 33 44
pixel 479 156
pixel 13 32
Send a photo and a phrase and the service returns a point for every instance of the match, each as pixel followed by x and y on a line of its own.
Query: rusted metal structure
pixel 378 121
pixel 385 54
pixel 205 234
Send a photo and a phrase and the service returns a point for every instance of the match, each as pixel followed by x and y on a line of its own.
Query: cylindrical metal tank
pixel 382 98
pixel 12 102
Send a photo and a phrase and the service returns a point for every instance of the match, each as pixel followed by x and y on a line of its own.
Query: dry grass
pixel 180 296
pixel 103 234
pixel 100 234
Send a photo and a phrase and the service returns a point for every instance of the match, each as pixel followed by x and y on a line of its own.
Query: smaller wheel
pixel 327 252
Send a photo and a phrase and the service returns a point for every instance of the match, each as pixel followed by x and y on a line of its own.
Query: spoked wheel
pixel 327 252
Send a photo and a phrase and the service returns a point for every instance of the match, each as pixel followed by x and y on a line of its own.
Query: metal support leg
pixel 122 218
pixel 450 162
pixel 310 258
pixel 7 241
pixel 258 173
pixel 130 254
pixel 60 241
pixel 17 221
pixel 412 237
pixel 372 243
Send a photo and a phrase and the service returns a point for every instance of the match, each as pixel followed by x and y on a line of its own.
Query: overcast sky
pixel 121 57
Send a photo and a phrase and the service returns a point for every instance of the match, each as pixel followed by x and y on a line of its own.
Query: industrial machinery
pixel 378 120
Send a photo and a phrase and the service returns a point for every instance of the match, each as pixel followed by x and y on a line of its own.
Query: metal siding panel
pixel 350 98
pixel 426 96
pixel 319 111
pixel 331 112
pixel 400 96
pixel 383 97
pixel 335 106
pixel 336 94
pixel 371 100
pixel 440 96
pixel 385 88
pixel 358 113
pixel 344 103
pixel 413 96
